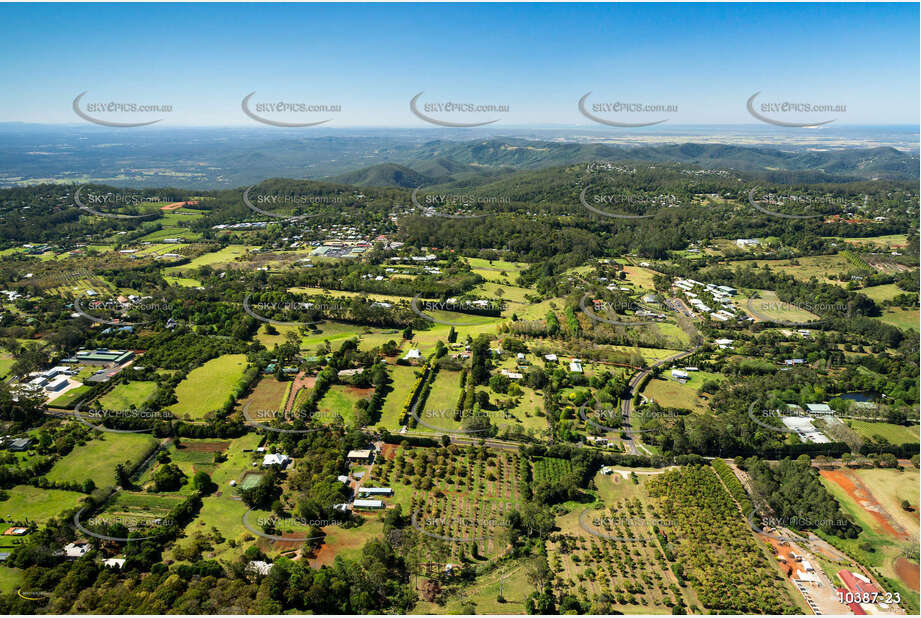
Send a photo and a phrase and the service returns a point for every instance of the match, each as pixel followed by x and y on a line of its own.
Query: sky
pixel 703 60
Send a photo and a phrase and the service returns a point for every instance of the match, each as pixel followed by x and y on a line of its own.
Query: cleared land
pixel 97 458
pixel 123 396
pixel 208 387
pixel 28 503
pixel 896 434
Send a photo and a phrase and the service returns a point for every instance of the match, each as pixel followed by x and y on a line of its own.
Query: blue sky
pixel 538 59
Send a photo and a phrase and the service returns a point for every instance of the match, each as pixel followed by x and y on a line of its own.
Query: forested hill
pixel 841 165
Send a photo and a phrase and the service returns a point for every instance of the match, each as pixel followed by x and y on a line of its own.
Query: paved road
pixel 635 382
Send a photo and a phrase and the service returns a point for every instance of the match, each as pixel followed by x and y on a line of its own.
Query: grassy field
pixel 905 319
pixel 123 396
pixel 207 388
pixel 886 548
pixel 402 380
pixel 184 282
pixel 481 595
pixel 67 399
pixel 97 458
pixel 6 363
pixel 227 255
pixel 890 241
pixel 804 268
pixel 896 434
pixel 39 505
pixel 10 579
pixel 879 293
pixel 890 487
pixel 771 307
pixel 139 506
pixel 340 400
pixel 672 394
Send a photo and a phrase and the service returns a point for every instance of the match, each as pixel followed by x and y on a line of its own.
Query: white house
pixel 412 354
pixel 575 365
pixel 276 459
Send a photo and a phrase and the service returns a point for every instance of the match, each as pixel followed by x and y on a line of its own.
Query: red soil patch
pixel 908 572
pixel 389 451
pixel 205 447
pixel 862 496
pixel 363 392
pixel 324 556
pixel 301 381
pixel 178 205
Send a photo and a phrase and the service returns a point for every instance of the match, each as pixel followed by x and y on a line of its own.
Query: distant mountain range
pixel 214 159
pixel 441 162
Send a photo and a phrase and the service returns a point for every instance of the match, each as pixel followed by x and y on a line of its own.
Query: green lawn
pixel 403 378
pixel 123 396
pixel 672 394
pixel 896 434
pixel 905 319
pixel 97 458
pixel 10 579
pixel 340 400
pixel 26 502
pixel 879 293
pixel 184 282
pixel 208 387
pixel 227 255
pixel 67 399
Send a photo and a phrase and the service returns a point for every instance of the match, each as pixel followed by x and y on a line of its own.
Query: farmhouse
pixel 363 455
pixel 413 354
pixel 550 358
pixel 575 365
pixel 681 376
pixel 260 567
pixel 276 459
pixel 76 550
